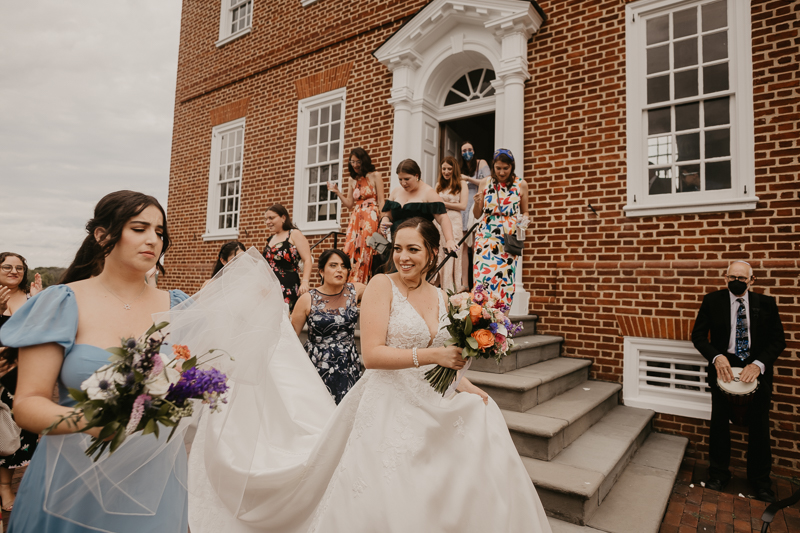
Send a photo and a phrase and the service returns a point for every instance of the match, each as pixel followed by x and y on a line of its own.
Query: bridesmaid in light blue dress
pixel 60 332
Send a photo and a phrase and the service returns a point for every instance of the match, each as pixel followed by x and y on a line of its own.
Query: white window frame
pixel 637 393
pixel 212 209
pixel 741 196
pixel 306 3
pixel 225 20
pixel 304 108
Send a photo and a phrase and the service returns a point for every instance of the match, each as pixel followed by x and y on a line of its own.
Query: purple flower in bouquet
pixel 195 383
pixel 136 413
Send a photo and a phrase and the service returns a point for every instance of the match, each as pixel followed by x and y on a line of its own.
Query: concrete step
pixel 574 484
pixel 543 431
pixel 524 388
pixel 529 323
pixel 559 526
pixel 527 350
pixel 638 500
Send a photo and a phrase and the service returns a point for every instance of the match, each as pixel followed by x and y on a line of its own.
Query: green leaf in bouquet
pixel 150 427
pixel 78 395
pixel 118 439
pixel 164 409
pixel 89 411
pixel 156 327
pixel 467 327
pixel 189 363
pixel 108 430
pixel 469 351
pixel 472 343
pixel 451 341
pixel 118 353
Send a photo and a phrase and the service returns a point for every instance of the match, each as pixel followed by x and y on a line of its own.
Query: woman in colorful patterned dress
pixel 331 313
pixel 501 197
pixel 454 195
pixel 284 250
pixel 366 194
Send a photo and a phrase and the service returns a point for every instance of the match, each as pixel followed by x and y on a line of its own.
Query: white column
pixel 513 139
pixel 400 137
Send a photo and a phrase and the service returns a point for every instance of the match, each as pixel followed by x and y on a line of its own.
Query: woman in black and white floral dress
pixel 331 313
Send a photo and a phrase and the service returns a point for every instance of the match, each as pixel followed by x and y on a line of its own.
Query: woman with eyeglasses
pixel 15 289
pixel 503 199
pixel 364 198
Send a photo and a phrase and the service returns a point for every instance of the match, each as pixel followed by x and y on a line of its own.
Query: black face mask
pixel 737 287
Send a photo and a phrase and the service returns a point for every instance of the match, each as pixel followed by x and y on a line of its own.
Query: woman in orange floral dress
pixel 365 199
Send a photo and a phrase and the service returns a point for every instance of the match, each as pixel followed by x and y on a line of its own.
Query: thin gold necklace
pixel 126 305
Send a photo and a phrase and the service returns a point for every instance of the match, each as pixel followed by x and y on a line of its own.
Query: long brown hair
pixel 454 185
pixel 25 284
pixel 111 214
pixel 281 211
pixel 430 237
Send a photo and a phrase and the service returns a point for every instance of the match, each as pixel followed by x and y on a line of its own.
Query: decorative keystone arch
pixel 443 41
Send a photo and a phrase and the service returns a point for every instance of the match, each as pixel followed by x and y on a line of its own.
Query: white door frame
pixel 442 42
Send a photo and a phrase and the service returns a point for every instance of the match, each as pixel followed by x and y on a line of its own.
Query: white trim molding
pixel 238 13
pixel 667 376
pixel 318 160
pixel 685 156
pixel 225 181
pixel 443 41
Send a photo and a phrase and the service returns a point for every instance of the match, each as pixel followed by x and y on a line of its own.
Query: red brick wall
pixel 592 278
pixel 589 273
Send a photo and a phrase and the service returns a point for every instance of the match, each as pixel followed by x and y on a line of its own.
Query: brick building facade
pixel 615 265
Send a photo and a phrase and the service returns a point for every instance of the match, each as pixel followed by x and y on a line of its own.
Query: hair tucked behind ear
pixel 111 214
pixel 430 237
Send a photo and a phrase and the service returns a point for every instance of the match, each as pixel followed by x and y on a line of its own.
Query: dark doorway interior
pixel 479 130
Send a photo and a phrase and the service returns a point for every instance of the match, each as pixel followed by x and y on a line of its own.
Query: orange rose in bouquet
pixel 484 337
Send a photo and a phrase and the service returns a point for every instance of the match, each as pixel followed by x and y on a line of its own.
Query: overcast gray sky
pixel 87 91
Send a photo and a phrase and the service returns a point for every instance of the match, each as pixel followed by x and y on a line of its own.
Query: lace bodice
pixel 408 329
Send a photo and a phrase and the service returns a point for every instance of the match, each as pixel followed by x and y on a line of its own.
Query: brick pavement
pixel 693 508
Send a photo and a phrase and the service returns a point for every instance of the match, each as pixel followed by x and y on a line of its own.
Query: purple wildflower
pixel 196 383
pixel 493 327
pixel 136 413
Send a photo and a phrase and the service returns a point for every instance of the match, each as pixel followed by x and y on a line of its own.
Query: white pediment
pixel 442 17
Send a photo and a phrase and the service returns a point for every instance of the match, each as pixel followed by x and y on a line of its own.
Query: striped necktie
pixel 742 341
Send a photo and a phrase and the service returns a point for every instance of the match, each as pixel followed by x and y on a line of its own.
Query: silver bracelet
pixel 414 357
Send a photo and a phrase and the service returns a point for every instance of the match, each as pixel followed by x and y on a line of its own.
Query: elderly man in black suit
pixel 746 332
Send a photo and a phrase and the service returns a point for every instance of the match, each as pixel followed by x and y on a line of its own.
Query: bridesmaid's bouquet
pixel 479 326
pixel 141 388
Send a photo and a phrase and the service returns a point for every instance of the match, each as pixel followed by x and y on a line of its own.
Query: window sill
pixel 227 236
pixel 703 206
pixel 318 228
pixel 233 37
pixel 306 3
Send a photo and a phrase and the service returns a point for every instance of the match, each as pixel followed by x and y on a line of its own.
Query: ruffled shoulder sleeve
pixel 436 208
pixel 177 296
pixel 50 316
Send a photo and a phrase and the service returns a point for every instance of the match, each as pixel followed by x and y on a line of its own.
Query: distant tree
pixel 50 275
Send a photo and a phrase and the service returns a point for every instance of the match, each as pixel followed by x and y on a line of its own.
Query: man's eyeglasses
pixel 743 279
pixel 9 268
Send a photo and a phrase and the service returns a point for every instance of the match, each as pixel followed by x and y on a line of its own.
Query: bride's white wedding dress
pixel 394 456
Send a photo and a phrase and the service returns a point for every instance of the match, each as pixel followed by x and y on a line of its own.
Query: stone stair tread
pixel 534 341
pixel 583 465
pixel 641 493
pixel 550 417
pixel 527 378
pixel 559 526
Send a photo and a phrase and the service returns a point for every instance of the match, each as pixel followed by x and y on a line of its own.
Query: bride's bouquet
pixel 479 326
pixel 141 388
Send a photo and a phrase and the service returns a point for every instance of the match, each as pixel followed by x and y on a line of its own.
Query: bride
pixel 394 456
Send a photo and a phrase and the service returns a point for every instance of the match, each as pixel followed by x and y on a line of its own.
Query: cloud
pixel 87 96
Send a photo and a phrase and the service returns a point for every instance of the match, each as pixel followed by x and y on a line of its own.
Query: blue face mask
pixel 467 155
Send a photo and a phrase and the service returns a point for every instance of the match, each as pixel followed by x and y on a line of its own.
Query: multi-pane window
pixel 230 177
pixel 319 160
pixel 474 85
pixel 690 107
pixel 688 113
pixel 236 20
pixel 241 14
pixel 225 180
